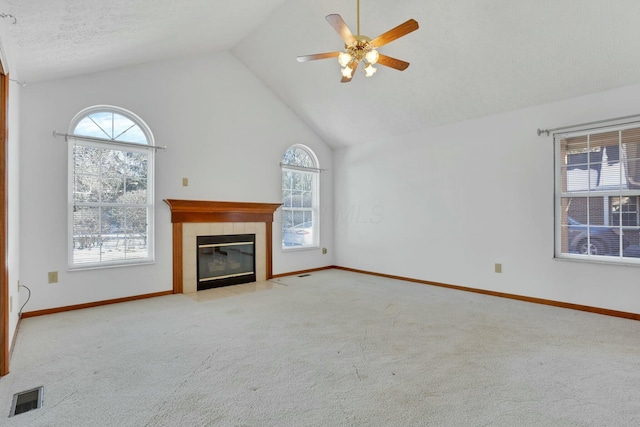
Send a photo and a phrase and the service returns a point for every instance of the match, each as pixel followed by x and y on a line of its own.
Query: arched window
pixel 111 159
pixel 300 198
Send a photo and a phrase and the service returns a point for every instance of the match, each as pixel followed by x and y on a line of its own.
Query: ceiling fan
pixel 361 48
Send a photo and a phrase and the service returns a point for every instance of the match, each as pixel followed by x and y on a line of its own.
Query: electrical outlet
pixel 324 251
pixel 11 304
pixel 53 277
pixel 498 268
pixel 18 285
pixel 185 182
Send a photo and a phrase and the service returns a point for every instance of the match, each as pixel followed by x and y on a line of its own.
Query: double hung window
pixel 110 189
pixel 597 191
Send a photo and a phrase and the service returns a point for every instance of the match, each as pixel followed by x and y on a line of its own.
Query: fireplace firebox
pixel 226 260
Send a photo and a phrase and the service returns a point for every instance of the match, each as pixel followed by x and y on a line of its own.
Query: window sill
pixel 299 248
pixel 102 267
pixel 602 260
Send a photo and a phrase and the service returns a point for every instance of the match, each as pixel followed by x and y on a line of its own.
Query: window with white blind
pixel 597 194
pixel 110 189
pixel 300 199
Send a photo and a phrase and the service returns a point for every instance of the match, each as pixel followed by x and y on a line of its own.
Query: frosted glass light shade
pixel 370 70
pixel 372 56
pixel 344 58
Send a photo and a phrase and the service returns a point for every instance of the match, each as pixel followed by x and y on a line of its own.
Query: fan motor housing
pixel 360 48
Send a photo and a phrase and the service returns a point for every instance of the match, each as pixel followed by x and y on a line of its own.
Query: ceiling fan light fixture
pixel 347 72
pixel 372 56
pixel 344 58
pixel 360 48
pixel 370 70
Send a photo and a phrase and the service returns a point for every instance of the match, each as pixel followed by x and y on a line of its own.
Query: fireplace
pixel 193 218
pixel 226 260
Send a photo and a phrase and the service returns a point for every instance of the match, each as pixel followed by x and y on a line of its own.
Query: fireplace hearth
pixel 226 260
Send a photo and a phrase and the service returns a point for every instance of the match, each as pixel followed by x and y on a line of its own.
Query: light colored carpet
pixel 331 349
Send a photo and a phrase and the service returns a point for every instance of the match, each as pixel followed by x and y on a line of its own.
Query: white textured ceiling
pixel 59 38
pixel 470 58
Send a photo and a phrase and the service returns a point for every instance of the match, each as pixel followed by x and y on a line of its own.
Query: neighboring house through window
pixel 597 190
pixel 300 198
pixel 110 188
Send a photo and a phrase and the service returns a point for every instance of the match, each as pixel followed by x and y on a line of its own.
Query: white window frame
pixel 314 173
pixel 118 145
pixel 607 193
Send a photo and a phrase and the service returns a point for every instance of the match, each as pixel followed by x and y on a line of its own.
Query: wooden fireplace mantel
pixel 210 211
pixel 204 211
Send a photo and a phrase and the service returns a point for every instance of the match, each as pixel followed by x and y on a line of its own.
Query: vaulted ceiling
pixel 470 58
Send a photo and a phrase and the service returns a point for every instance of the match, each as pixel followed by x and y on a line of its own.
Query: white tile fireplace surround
pixel 191 231
pixel 193 218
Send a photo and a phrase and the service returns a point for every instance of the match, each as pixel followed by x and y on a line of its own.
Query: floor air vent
pixel 304 275
pixel 26 401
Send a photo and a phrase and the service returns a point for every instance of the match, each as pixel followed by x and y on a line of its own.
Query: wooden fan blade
pixel 392 62
pixel 395 33
pixel 305 58
pixel 341 28
pixel 353 73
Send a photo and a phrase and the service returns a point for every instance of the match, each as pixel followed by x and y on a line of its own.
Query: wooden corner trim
pixel 4 273
pixel 178 285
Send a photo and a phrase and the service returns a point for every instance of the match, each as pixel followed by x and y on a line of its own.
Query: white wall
pixel 445 204
pixel 224 130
